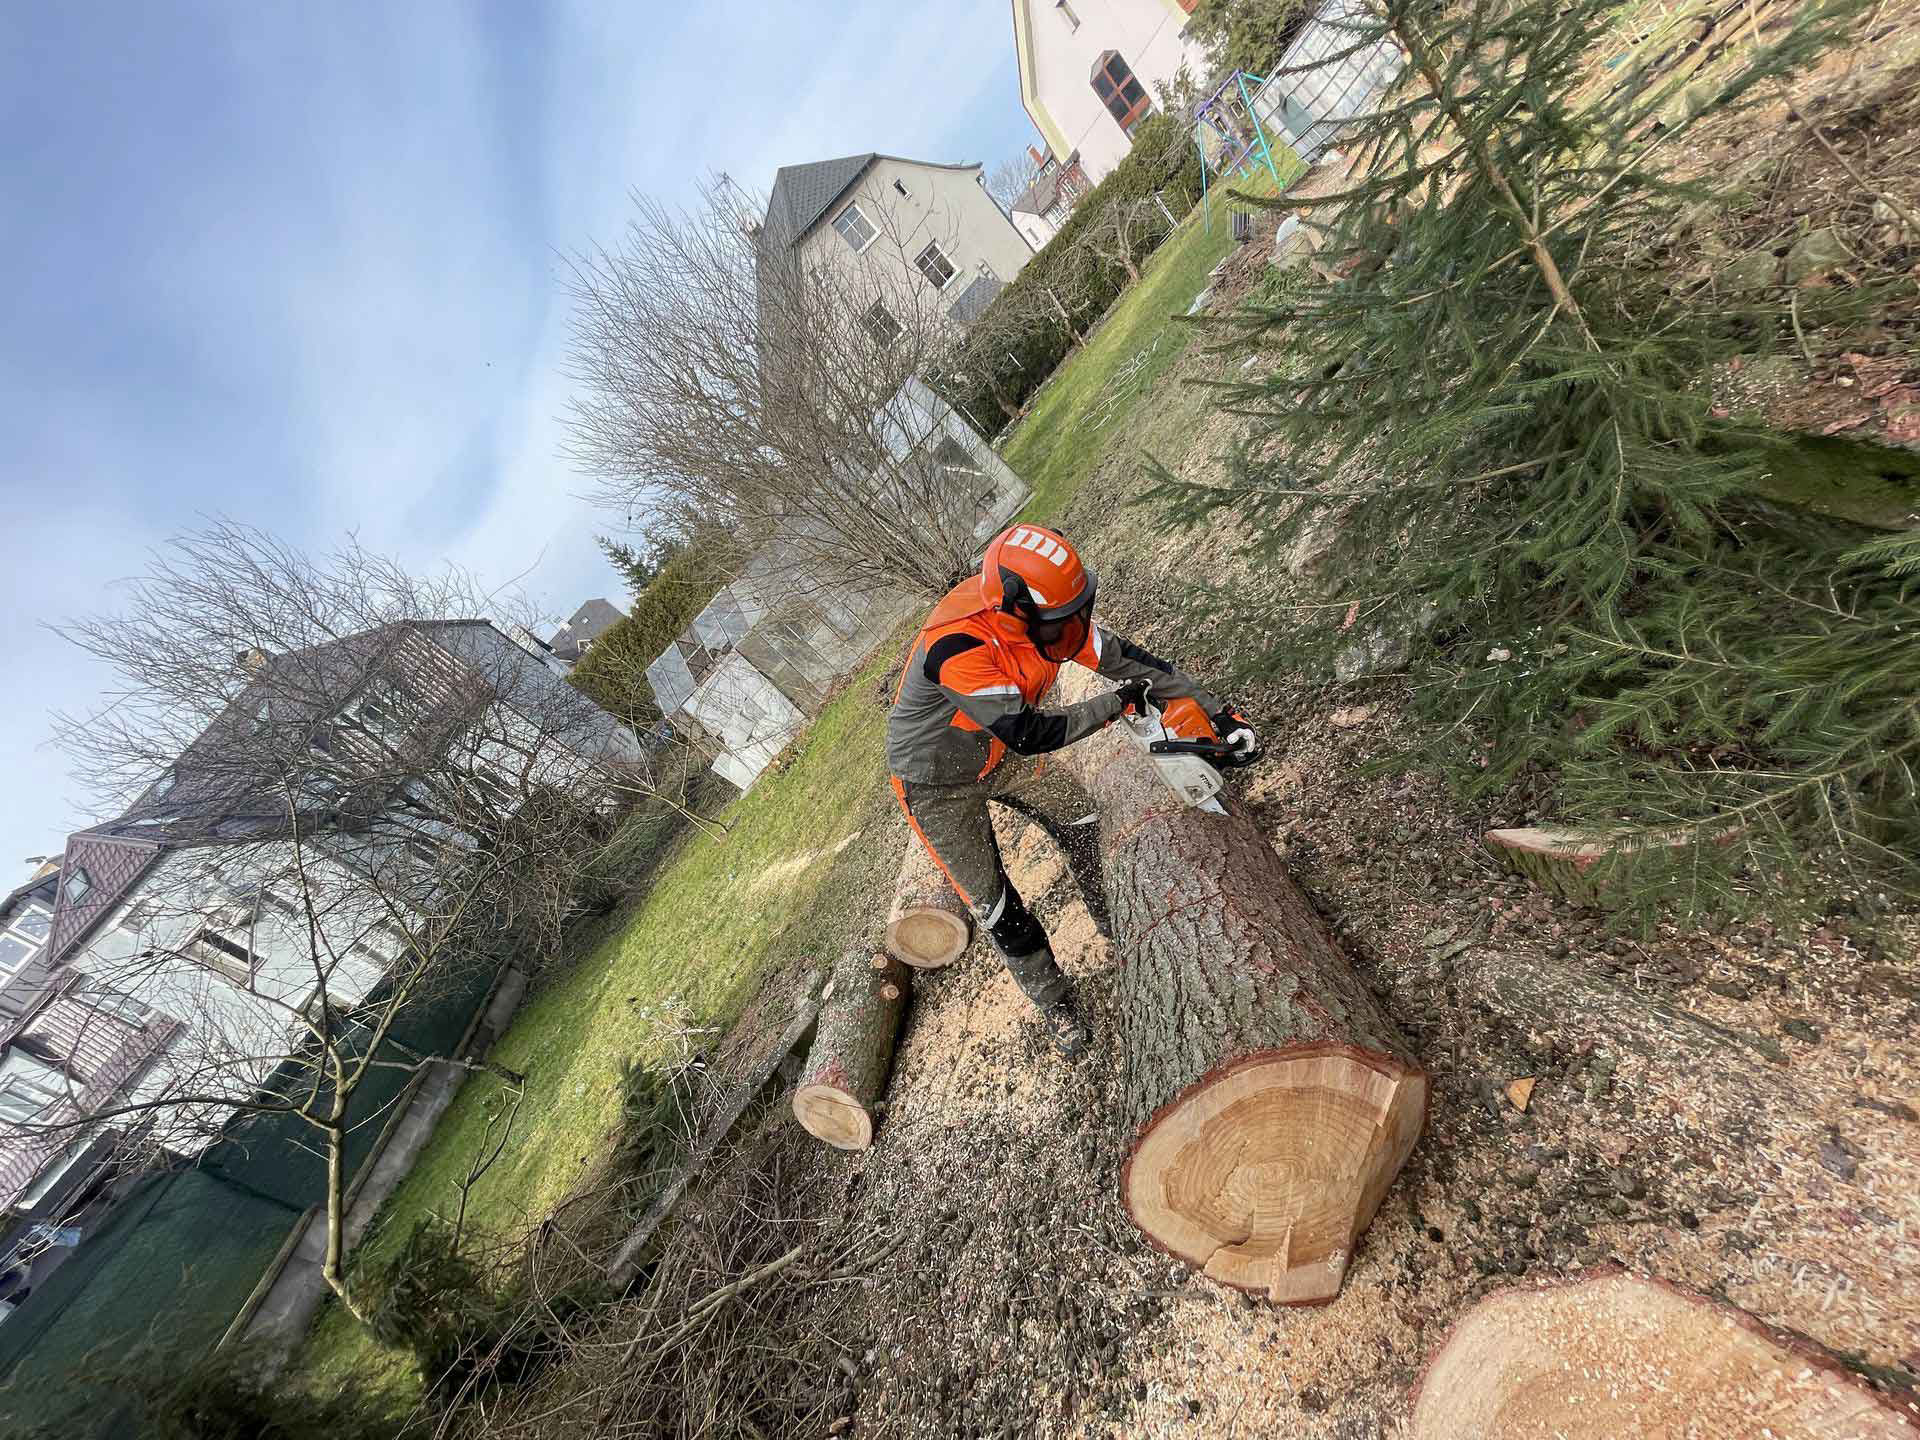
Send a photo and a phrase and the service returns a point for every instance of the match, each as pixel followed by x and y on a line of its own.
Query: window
pixel 1113 82
pixel 386 710
pixel 14 952
pixel 33 921
pixel 935 266
pixel 79 885
pixel 854 228
pixel 26 1094
pixel 224 957
pixel 1066 14
pixel 881 325
pixel 120 1007
pixel 901 188
pixel 162 787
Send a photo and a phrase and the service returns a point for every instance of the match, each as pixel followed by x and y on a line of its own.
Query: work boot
pixel 1070 1034
pixel 1052 995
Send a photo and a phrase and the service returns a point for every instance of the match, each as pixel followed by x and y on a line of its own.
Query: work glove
pixel 1236 732
pixel 1133 697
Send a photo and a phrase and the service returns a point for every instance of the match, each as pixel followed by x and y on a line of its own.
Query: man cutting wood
pixel 970 692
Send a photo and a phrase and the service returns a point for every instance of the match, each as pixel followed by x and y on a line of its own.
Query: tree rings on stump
pixel 1613 1355
pixel 1264 1172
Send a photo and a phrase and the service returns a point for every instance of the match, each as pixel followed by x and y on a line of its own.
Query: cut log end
pixel 1264 1172
pixel 1616 1354
pixel 928 939
pixel 829 1113
pixel 928 924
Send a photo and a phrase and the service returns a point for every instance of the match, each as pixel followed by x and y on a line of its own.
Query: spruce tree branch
pixel 1542 257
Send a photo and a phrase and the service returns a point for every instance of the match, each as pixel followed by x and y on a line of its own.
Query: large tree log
pixel 1613 1355
pixel 1272 1101
pixel 852 1050
pixel 929 924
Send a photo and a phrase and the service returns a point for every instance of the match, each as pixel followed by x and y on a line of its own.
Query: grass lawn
pixel 1063 435
pixel 717 918
pixel 724 914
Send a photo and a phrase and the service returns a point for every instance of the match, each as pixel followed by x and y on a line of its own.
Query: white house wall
pixel 143 959
pixel 1147 35
pixel 944 205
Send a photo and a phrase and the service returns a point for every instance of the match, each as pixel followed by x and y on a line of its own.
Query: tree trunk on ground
pixel 1614 1355
pixel 929 924
pixel 1271 1100
pixel 1558 999
pixel 852 1051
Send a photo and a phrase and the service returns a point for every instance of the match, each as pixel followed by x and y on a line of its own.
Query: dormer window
pixel 78 885
pixel 163 787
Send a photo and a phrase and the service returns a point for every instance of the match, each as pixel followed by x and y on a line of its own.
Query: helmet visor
pixel 1060 633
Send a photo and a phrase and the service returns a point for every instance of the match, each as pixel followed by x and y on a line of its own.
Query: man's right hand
pixel 1133 697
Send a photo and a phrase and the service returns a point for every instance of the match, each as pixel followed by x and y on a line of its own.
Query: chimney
pixel 1034 155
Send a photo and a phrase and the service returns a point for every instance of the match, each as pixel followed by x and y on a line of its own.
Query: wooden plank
pixel 798 1034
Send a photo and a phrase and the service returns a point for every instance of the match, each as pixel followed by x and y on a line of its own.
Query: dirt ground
pixel 1020 1301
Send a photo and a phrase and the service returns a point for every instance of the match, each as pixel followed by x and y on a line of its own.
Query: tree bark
pixel 929 925
pixel 1613 1354
pixel 1272 1101
pixel 852 1051
pixel 1555 999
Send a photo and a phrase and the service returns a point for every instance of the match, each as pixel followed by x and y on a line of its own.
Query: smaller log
pixel 929 925
pixel 846 1072
pixel 1613 1354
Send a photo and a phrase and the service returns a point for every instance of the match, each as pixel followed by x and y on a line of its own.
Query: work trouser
pixel 954 823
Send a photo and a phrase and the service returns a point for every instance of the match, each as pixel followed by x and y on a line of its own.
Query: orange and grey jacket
pixel 972 683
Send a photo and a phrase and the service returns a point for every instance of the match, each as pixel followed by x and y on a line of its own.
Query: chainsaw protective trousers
pixel 955 825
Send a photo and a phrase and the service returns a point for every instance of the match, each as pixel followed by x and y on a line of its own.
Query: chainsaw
pixel 1190 768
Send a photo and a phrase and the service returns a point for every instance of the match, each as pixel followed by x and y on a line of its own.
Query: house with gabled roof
pixel 930 233
pixel 587 624
pixel 1088 69
pixel 256 878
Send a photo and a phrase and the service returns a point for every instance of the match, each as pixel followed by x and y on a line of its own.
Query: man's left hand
pixel 1237 733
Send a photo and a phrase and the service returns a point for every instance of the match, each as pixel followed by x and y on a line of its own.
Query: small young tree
pixel 1499 405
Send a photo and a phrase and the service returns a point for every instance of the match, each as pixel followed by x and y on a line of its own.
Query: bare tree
pixel 1007 181
pixel 725 375
pixel 346 787
pixel 1124 234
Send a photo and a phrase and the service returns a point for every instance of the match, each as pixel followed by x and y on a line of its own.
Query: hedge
pixel 1019 339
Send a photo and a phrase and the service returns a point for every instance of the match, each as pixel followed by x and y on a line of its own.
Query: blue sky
pixel 296 265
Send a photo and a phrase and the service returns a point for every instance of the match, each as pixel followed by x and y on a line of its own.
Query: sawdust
pixel 784 871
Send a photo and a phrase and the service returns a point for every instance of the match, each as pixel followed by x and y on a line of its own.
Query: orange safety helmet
pixel 1036 577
